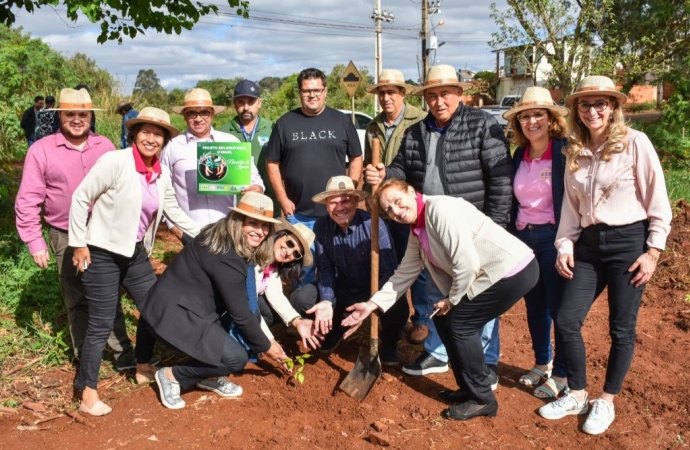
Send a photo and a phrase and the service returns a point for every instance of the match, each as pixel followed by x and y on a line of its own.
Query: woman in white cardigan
pixel 481 268
pixel 127 193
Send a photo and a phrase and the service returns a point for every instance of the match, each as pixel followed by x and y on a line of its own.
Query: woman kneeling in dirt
pixel 214 273
pixel 481 268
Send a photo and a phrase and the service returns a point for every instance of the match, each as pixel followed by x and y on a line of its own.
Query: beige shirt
pixel 628 188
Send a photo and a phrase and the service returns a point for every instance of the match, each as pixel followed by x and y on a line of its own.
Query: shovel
pixel 367 369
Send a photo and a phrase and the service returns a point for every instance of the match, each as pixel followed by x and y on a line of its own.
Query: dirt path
pixel 403 411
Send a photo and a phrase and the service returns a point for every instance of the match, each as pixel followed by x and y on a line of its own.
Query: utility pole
pixel 378 17
pixel 424 35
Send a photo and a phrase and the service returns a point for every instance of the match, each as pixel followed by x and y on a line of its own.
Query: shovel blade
pixel 363 375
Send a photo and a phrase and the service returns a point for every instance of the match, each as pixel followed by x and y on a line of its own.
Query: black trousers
pixel 460 330
pixel 101 284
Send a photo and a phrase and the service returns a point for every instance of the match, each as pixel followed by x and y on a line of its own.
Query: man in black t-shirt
pixel 308 146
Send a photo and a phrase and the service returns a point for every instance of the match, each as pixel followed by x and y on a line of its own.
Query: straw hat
pixel 535 98
pixel 121 104
pixel 154 116
pixel 257 206
pixel 593 85
pixel 73 100
pixel 390 77
pixel 340 185
pixel 441 75
pixel 303 234
pixel 197 98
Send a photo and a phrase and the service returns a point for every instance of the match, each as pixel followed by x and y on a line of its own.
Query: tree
pixel 489 76
pixel 148 89
pixel 119 18
pixel 221 89
pixel 270 83
pixel 563 31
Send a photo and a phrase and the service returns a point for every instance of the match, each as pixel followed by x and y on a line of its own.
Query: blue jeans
pixel 433 345
pixel 400 234
pixel 543 301
pixel 308 274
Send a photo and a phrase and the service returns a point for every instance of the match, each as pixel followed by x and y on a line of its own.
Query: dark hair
pixel 50 99
pixel 310 74
pixel 82 86
pixel 38 98
pixel 127 108
pixel 136 127
pixel 558 128
pixel 288 272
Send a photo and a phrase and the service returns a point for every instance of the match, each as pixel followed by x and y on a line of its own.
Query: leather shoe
pixel 451 396
pixel 470 410
pixel 418 334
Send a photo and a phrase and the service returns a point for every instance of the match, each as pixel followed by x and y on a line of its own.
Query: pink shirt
pixel 149 191
pixel 626 189
pixel 53 169
pixel 419 230
pixel 532 188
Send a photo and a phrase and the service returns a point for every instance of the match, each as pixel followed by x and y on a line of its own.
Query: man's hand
pixel 310 337
pixel 81 259
pixel 374 175
pixel 41 258
pixel 253 188
pixel 359 312
pixel 323 316
pixel 287 206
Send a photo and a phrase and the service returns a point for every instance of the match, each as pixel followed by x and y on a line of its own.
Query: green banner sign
pixel 223 167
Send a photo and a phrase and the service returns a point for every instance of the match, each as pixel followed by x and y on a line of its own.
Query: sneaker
pixel 564 406
pixel 600 418
pixel 425 364
pixel 493 376
pixel 169 390
pixel 221 386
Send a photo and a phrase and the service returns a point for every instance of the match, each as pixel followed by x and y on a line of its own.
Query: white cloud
pixel 227 46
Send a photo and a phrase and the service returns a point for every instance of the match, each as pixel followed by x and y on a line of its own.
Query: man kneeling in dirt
pixel 343 269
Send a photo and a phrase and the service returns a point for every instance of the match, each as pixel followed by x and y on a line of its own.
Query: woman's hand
pixel 323 316
pixel 310 336
pixel 359 312
pixel 645 266
pixel 81 259
pixel 564 263
pixel 277 354
pixel 443 307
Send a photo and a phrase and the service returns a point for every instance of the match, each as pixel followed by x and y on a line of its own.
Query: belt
pixel 531 226
pixel 59 229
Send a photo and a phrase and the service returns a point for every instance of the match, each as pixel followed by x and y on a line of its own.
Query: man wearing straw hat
pixel 180 157
pixel 459 151
pixel 343 268
pixel 53 169
pixel 389 127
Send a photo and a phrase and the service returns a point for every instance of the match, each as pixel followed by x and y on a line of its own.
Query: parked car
pixel 361 122
pixel 497 111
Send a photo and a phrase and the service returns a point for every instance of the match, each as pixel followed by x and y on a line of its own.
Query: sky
pixel 280 38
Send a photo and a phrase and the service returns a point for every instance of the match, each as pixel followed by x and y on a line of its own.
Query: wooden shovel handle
pixel 375 158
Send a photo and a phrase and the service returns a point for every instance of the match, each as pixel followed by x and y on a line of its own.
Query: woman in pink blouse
pixel 615 220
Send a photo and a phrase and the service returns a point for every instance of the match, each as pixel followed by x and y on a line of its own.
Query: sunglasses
pixel 294 246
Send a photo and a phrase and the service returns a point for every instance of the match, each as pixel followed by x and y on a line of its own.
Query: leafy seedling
pixel 299 363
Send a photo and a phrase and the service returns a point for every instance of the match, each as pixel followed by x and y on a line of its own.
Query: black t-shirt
pixel 310 150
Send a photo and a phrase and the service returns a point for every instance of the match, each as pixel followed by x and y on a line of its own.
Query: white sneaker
pixel 221 386
pixel 564 406
pixel 600 418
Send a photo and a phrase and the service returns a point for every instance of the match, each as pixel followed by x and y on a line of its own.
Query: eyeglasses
pixel 526 118
pixel 294 246
pixel 310 92
pixel 599 106
pixel 205 114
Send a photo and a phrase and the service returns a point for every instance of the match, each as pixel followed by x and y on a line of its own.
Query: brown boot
pixel 418 334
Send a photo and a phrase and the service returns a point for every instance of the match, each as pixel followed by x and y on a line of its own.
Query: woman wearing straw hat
pixel 291 252
pixel 126 193
pixel 186 308
pixel 539 129
pixel 481 270
pixel 614 224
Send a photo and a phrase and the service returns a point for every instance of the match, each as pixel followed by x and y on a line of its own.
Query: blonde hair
pixel 558 128
pixel 223 235
pixel 616 133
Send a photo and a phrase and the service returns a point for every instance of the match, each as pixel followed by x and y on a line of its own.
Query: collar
pixel 398 120
pixel 190 137
pixel 431 124
pixel 141 167
pixel 548 154
pixel 60 139
pixel 421 220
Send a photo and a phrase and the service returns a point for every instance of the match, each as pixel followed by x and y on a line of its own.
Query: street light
pixel 379 16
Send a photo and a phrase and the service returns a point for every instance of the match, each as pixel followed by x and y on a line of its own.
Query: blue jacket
pixel 131 114
pixel 557 179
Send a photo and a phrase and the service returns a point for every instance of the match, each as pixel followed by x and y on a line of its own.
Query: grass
pixel 678 184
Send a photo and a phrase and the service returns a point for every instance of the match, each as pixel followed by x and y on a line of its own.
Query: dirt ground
pixel 401 411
